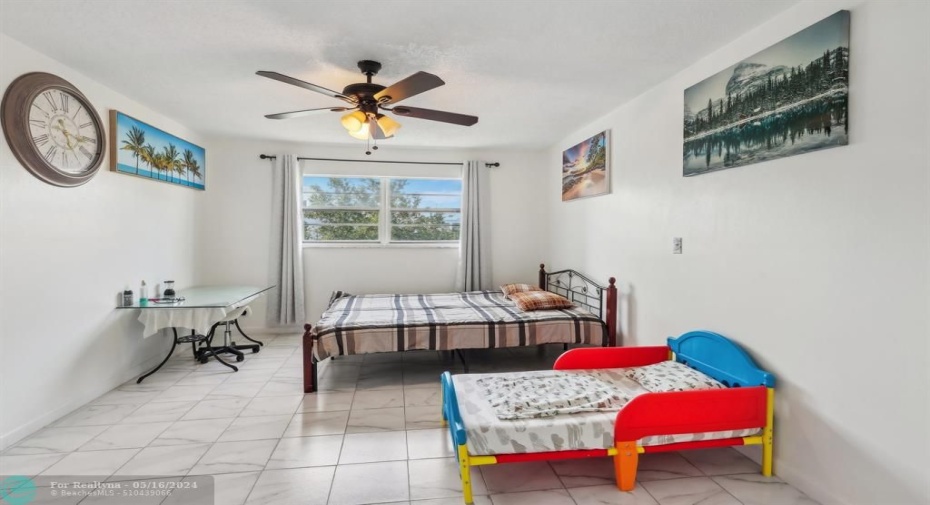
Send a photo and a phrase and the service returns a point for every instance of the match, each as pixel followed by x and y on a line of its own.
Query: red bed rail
pixel 610 357
pixel 699 411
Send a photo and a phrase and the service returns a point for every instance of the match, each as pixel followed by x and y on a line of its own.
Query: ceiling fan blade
pixel 307 112
pixel 375 129
pixel 303 84
pixel 435 115
pixel 406 88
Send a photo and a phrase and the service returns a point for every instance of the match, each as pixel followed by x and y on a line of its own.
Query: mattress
pixel 487 435
pixel 477 319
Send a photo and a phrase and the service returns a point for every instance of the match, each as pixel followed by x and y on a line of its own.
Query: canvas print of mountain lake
pixel 788 99
pixel 586 169
pixel 137 148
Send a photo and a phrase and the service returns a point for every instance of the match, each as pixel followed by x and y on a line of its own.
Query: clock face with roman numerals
pixel 63 131
pixel 52 129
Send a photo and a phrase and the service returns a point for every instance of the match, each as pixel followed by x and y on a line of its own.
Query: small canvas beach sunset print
pixel 585 168
pixel 140 149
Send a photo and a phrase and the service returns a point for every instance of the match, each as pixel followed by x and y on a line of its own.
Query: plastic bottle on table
pixel 143 295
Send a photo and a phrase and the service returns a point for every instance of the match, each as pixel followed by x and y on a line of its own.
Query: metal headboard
pixel 578 288
pixel 581 290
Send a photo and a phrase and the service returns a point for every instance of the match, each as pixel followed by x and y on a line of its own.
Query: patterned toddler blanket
pixel 559 392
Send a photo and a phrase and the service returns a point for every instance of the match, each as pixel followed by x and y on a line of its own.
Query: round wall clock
pixel 52 129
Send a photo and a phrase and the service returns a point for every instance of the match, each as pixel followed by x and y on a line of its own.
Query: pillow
pixel 671 376
pixel 337 295
pixel 540 300
pixel 509 289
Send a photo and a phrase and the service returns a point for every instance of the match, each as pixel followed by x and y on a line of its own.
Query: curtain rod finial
pixel 495 164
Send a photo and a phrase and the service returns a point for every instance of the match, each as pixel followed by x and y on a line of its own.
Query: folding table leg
pixel 250 339
pixel 174 343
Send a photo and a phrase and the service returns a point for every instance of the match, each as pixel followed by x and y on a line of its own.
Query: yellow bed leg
pixel 465 473
pixel 442 407
pixel 625 463
pixel 768 433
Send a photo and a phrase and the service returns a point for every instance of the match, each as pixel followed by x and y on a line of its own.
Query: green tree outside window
pixel 351 209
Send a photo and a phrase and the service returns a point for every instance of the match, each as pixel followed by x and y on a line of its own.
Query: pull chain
pixel 370 147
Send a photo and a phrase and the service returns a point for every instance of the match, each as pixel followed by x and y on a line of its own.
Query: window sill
pixel 349 245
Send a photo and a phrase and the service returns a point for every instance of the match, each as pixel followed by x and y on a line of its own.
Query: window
pixel 381 210
pixel 341 208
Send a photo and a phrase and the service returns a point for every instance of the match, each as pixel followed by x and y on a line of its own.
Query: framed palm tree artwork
pixel 140 149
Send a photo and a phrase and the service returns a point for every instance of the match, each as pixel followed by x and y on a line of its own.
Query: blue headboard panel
pixel 720 358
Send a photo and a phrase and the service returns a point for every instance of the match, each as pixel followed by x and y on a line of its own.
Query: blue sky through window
pixel 435 193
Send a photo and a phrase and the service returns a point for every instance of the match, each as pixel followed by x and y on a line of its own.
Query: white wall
pixel 234 232
pixel 64 255
pixel 817 264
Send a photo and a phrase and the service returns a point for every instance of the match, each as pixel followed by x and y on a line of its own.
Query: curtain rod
pixel 301 158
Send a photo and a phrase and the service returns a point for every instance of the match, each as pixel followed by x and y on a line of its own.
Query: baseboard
pixel 17 434
pixel 265 330
pixel 79 400
pixel 800 480
pixel 808 484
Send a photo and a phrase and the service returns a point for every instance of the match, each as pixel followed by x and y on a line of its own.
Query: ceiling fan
pixel 366 99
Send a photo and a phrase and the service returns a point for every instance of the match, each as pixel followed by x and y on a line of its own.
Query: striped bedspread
pixel 478 319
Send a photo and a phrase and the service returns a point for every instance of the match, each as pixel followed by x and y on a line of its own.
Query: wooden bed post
pixel 612 312
pixel 542 276
pixel 309 363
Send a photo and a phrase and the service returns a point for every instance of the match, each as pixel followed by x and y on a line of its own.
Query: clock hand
pixel 79 138
pixel 61 127
pixel 68 140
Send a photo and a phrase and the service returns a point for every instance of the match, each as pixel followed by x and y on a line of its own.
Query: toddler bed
pixel 700 391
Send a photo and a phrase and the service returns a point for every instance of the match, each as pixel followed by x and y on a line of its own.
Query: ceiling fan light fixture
pixel 362 133
pixel 355 121
pixel 365 99
pixel 388 125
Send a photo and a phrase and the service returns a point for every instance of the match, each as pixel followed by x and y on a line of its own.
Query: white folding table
pixel 202 310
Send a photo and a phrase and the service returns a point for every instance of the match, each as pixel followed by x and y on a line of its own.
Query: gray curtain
pixel 474 270
pixel 286 303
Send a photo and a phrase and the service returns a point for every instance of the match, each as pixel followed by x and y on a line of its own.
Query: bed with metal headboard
pixel 585 292
pixel 363 324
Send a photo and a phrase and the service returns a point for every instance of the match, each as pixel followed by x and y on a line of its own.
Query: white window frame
pixel 384 218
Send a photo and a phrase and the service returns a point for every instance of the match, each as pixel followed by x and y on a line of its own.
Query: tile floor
pixel 371 435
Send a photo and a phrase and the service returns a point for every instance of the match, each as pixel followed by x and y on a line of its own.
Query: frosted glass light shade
pixel 388 125
pixel 354 121
pixel 361 133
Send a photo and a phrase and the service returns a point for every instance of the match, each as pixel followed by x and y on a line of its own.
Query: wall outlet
pixel 676 245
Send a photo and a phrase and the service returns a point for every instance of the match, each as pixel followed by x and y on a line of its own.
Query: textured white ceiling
pixel 533 71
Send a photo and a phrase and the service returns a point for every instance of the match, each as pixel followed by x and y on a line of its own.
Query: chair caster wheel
pixel 240 358
pixel 203 360
pixel 255 350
